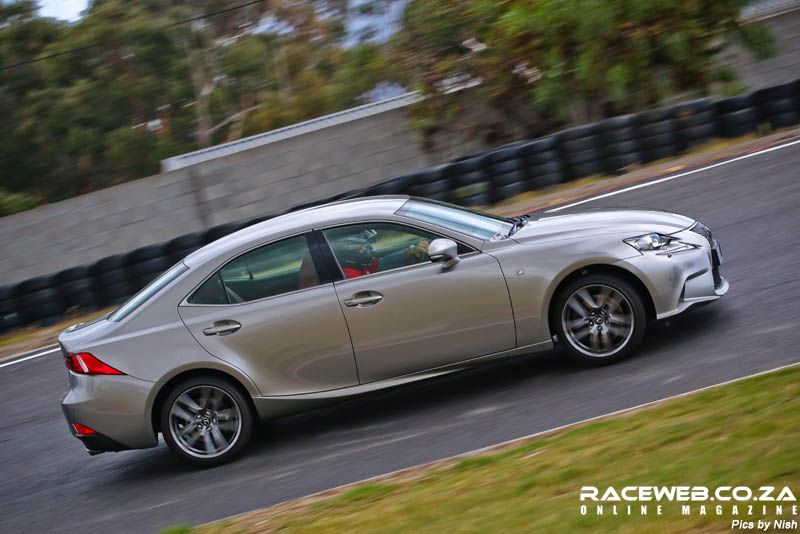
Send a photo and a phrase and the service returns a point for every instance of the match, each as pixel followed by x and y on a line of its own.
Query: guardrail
pixel 605 147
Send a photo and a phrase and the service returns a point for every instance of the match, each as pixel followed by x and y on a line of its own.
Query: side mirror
pixel 444 250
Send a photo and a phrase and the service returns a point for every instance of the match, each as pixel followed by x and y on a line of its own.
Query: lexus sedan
pixel 358 295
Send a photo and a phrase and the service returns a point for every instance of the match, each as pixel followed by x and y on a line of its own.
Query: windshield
pixel 473 223
pixel 150 289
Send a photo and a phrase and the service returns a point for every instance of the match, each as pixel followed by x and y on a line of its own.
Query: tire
pixel 618 122
pixel 655 115
pixel 665 139
pixel 510 190
pixel 623 147
pixel 736 103
pixel 547 167
pixel 469 178
pixel 657 128
pixel 776 107
pixel 619 135
pixel 542 158
pixel 509 165
pixel 586 169
pixel 661 152
pixel 546 180
pixel 482 199
pixel 701 131
pixel 627 305
pixel 499 180
pixel 698 119
pixel 430 188
pixel 543 144
pixel 109 263
pixel 579 145
pixel 790 118
pixel 232 439
pixel 615 163
pixel 576 158
pixel 577 132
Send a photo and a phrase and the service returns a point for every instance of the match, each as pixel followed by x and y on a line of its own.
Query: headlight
pixel 666 245
pixel 649 242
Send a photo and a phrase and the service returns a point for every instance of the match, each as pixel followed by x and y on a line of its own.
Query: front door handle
pixel 366 298
pixel 222 328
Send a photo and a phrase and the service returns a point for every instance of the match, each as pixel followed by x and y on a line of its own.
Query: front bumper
pixel 113 406
pixel 684 279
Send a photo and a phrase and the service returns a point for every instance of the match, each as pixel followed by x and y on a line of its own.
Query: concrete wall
pixel 257 181
pixel 784 67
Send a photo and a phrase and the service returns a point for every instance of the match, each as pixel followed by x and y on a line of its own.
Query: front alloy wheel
pixel 206 421
pixel 601 319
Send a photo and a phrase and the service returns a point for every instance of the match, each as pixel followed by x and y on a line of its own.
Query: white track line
pixel 523 438
pixel 32 356
pixel 668 178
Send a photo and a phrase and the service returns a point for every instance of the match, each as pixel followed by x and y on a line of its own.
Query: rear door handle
pixel 366 298
pixel 222 328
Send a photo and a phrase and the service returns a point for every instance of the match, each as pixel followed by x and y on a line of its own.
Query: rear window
pixel 145 294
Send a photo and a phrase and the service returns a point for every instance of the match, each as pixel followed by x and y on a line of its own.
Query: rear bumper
pixel 113 406
pixel 682 280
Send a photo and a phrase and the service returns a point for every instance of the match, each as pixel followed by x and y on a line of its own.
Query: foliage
pixel 146 88
pixel 15 202
pixel 541 64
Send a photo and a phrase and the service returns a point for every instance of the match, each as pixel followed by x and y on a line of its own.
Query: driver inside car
pixel 358 256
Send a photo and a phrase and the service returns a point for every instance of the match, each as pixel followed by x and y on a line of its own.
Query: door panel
pixel 426 316
pixel 291 343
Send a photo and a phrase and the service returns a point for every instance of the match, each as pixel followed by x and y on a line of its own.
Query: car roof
pixel 297 222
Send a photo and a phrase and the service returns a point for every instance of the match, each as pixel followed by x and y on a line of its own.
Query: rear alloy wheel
pixel 601 319
pixel 206 421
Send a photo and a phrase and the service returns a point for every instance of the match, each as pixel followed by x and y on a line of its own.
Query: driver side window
pixel 362 249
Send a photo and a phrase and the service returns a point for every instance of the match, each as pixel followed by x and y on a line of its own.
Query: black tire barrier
pixel 78 293
pixel 542 158
pixel 617 162
pixel 654 115
pixel 482 199
pixel 180 247
pixel 509 190
pixel 546 180
pixel 500 180
pixel 587 169
pixel 431 189
pixel 577 158
pixel 657 128
pixel 737 123
pixel 619 135
pixel 551 167
pixel 543 144
pixel 698 135
pixel 735 103
pixel 790 118
pixel 582 144
pixel 115 294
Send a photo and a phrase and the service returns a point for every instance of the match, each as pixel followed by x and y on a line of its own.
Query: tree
pixel 132 83
pixel 540 64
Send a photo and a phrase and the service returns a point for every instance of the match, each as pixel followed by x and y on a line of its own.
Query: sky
pixel 62 9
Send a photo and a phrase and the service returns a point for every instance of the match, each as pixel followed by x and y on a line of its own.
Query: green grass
pixel 746 433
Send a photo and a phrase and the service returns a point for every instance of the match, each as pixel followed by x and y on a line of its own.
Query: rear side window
pixel 267 271
pixel 211 292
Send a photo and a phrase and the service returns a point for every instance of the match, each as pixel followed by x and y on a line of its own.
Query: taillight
pixel 85 364
pixel 83 430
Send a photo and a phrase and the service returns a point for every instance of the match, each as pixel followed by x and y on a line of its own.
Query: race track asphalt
pixel 49 484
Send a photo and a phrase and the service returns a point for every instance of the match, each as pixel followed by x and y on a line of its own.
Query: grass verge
pixel 744 433
pixel 34 337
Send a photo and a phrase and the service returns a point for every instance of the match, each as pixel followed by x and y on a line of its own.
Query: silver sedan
pixel 351 297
